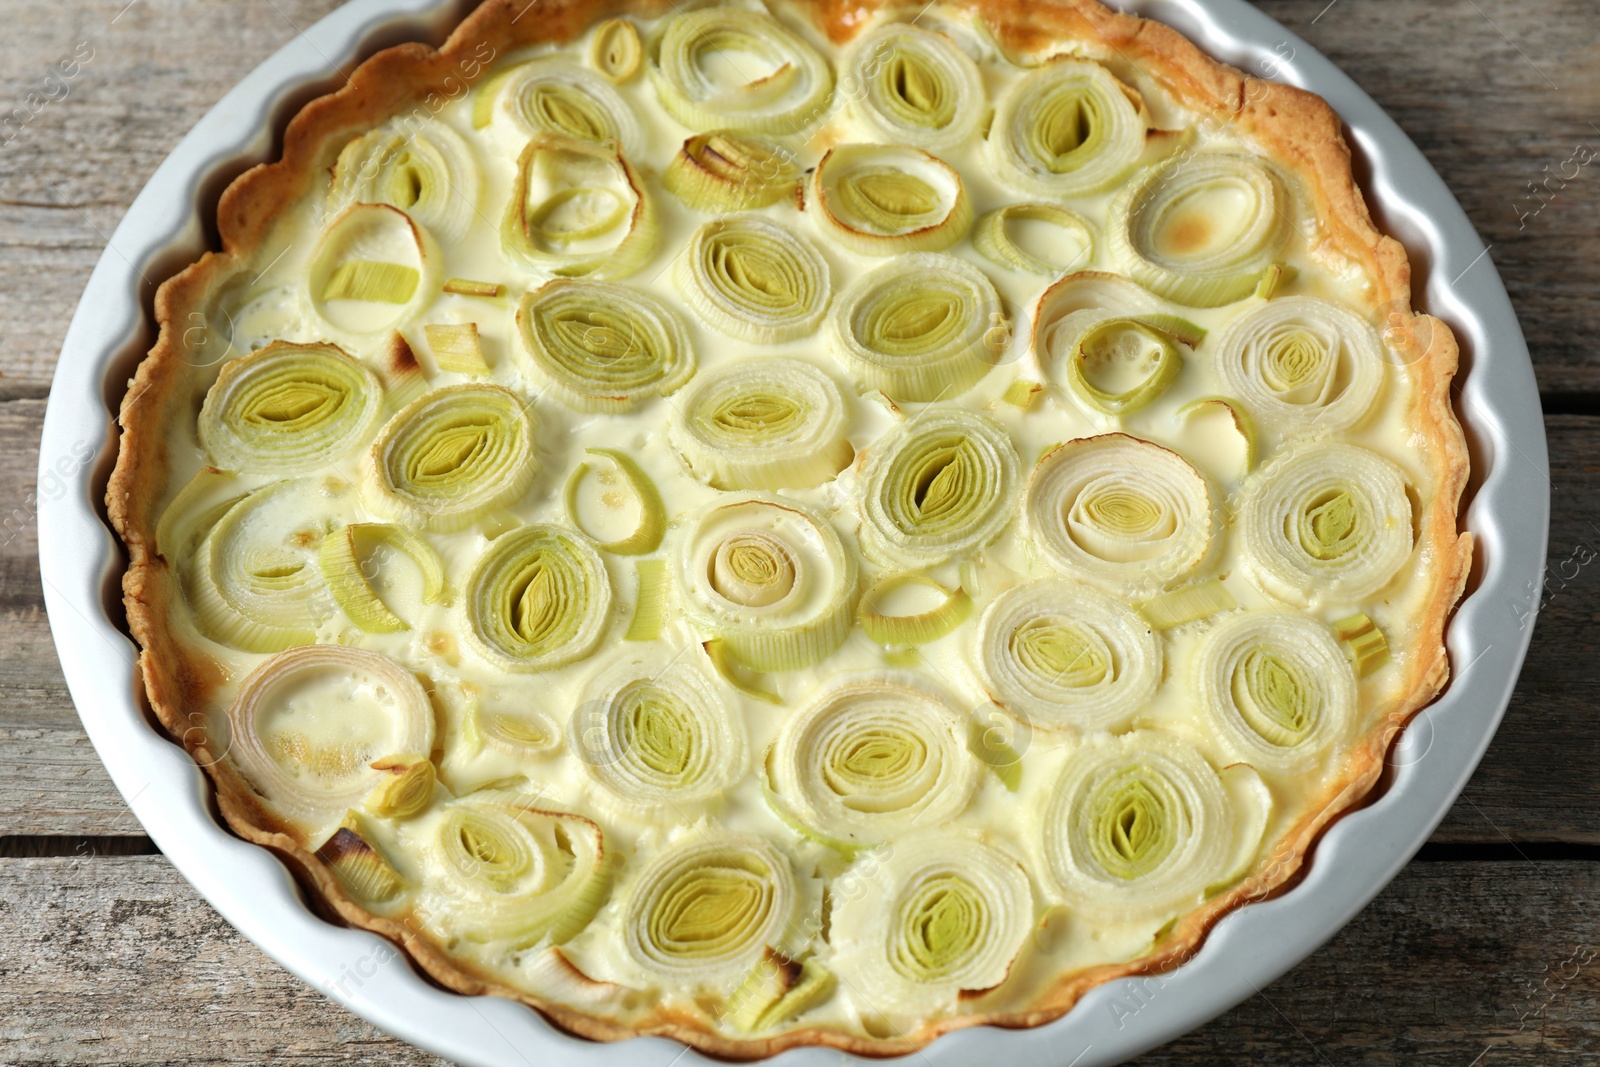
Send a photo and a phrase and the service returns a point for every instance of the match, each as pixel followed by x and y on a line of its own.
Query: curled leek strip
pixel 654 733
pixel 1202 227
pixel 649 602
pixel 1326 522
pixel 939 486
pixel 1065 130
pixel 1277 688
pixel 777 990
pixel 913 86
pixel 754 279
pixel 780 83
pixel 938 915
pixel 917 628
pixel 1137 827
pixel 1119 511
pixel 1061 654
pixel 555 96
pixel 926 326
pixel 771 579
pixel 652 526
pixel 312 777
pixel 725 170
pixel 1118 366
pixel 577 209
pixel 371 270
pixel 289 409
pixel 994 239
pixel 360 868
pixel 452 456
pixel 512 874
pixel 706 908
pixel 616 51
pixel 254 583
pixel 347 575
pixel 538 599
pixel 763 423
pixel 425 170
pixel 886 200
pixel 872 757
pixel 1303 364
pixel 604 347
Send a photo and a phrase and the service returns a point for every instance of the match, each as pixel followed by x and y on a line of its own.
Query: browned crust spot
pixel 1295 127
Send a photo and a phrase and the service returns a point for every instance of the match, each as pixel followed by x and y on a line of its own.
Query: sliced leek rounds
pixel 348 575
pixel 602 347
pixel 306 768
pixel 554 96
pixel 1277 688
pixel 754 279
pixel 777 84
pixel 370 271
pixel 725 170
pixel 452 456
pixel 763 423
pixel 934 916
pixel 655 734
pixel 1061 654
pixel 512 874
pixel 1071 243
pixel 1120 512
pixel 577 209
pixel 538 599
pixel 703 909
pixel 873 756
pixel 1326 523
pixel 771 579
pixel 1303 364
pixel 289 409
pixel 912 86
pixel 1067 129
pixel 922 327
pixel 940 486
pixel 1202 227
pixel 887 200
pixel 615 50
pixel 426 170
pixel 1136 827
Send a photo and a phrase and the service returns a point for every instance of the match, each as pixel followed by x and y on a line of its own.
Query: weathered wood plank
pixel 1450 960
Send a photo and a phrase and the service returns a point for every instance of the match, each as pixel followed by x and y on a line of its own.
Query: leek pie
pixel 815 523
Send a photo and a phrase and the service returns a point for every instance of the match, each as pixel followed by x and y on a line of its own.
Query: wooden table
pixel 1482 952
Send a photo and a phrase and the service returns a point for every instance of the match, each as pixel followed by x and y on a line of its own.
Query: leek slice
pixel 604 347
pixel 1325 523
pixel 724 170
pixel 1137 827
pixel 1189 604
pixel 1119 512
pixel 754 279
pixel 577 209
pixel 468 287
pixel 515 875
pixel 289 409
pixel 1303 364
pixel 912 86
pixel 934 916
pixel 1065 130
pixel 1277 689
pixel 899 630
pixel 1118 366
pixel 347 576
pixel 311 776
pixel 1202 227
pixel 555 96
pixel 371 270
pixel 1061 654
pixel 886 200
pixel 704 909
pixel 992 237
pixel 426 170
pixel 1241 422
pixel 457 348
pixel 927 326
pixel 362 871
pixel 778 990
pixel 652 527
pixel 408 788
pixel 650 601
pixel 452 456
pixel 538 599
pixel 939 486
pixel 772 579
pixel 873 756
pixel 763 423
pixel 654 734
pixel 780 84
pixel 616 51
pixel 1365 642
pixel 736 675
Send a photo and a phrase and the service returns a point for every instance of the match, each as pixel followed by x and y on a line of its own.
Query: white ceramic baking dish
pixel 81 564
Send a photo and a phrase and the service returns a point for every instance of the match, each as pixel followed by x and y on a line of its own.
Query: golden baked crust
pixel 1295 127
